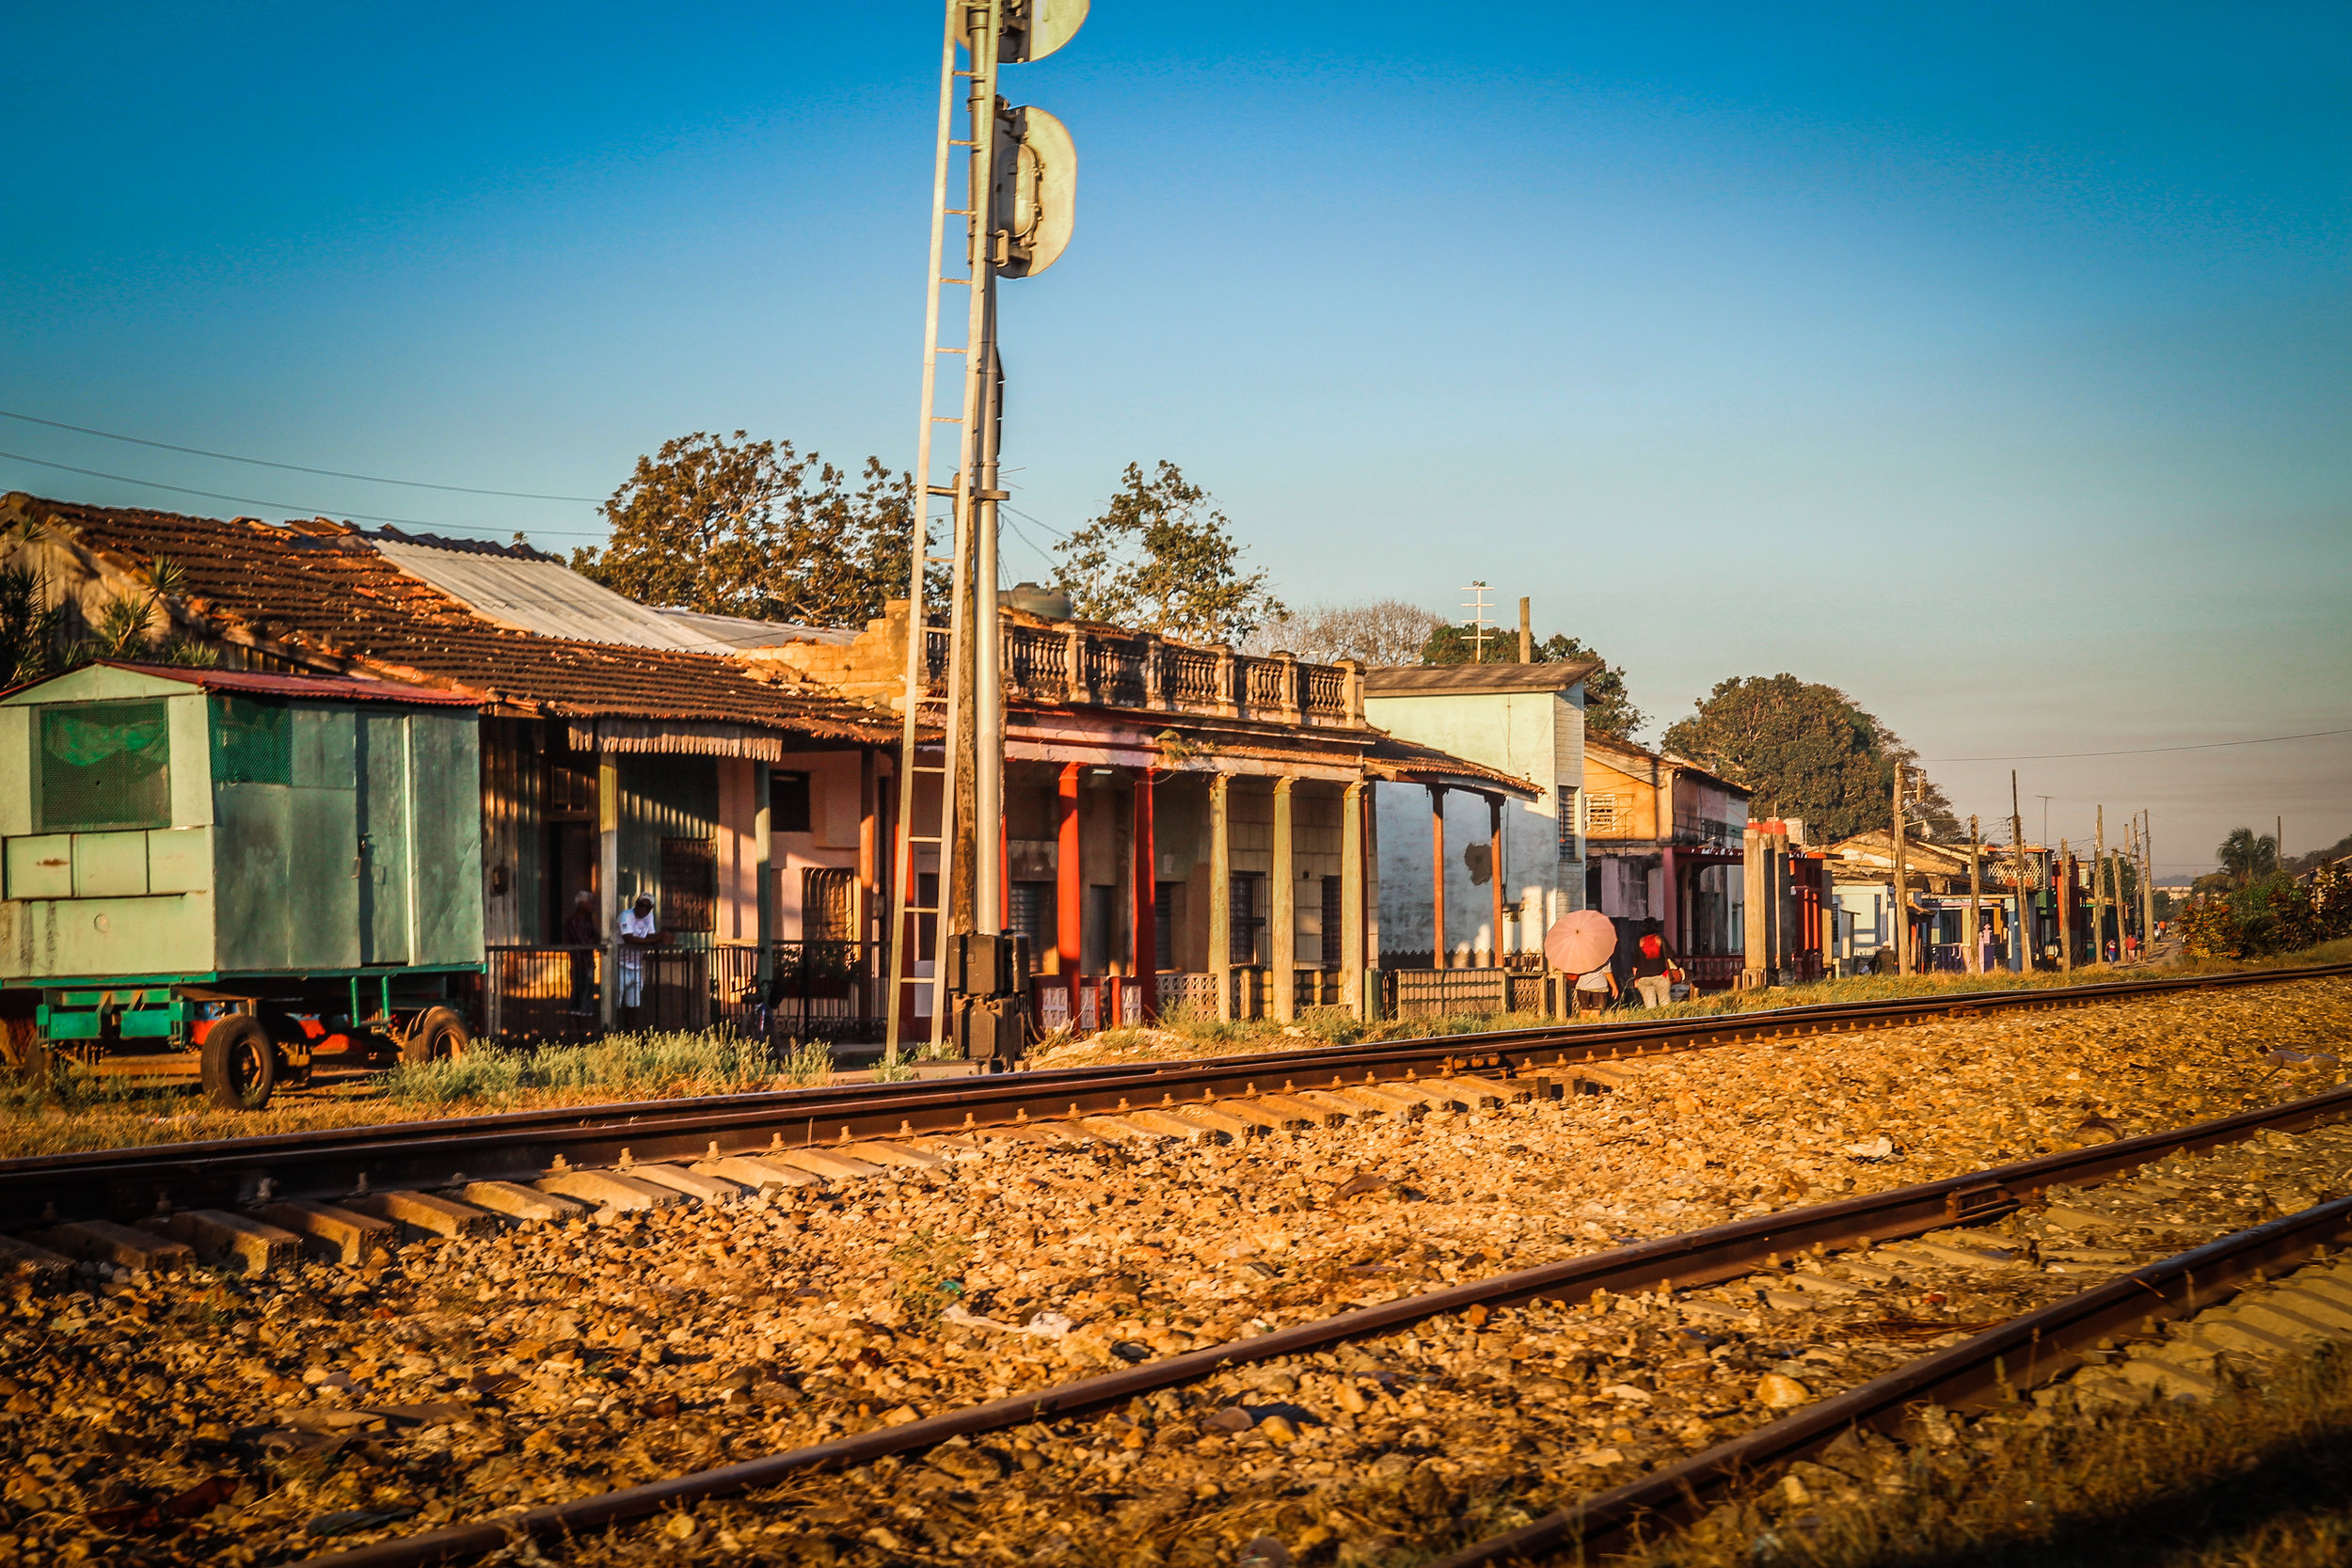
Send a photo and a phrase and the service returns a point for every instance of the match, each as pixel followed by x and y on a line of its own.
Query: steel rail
pixel 127 1183
pixel 1696 1258
pixel 1980 1373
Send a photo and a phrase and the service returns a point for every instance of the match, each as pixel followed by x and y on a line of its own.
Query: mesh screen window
pixel 252 742
pixel 105 765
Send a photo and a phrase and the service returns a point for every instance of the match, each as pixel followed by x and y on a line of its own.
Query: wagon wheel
pixel 438 1035
pixel 240 1064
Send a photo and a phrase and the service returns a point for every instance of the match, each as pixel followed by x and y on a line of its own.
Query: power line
pixel 291 468
pixel 2147 751
pixel 282 506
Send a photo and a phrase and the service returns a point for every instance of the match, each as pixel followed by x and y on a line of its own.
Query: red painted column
pixel 1146 880
pixel 1436 876
pixel 1069 888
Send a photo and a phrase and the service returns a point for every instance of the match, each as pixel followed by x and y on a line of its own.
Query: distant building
pixel 1663 843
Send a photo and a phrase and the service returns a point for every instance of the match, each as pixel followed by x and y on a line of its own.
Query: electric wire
pixel 2147 751
pixel 291 468
pixel 286 506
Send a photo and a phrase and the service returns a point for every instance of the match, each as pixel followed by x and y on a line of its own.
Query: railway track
pixel 487 1154
pixel 1861 1256
pixel 420 1297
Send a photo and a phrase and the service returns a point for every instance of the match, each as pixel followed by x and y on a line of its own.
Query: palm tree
pixel 2246 855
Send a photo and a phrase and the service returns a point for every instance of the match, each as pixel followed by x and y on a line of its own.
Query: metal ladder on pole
pixel 907 907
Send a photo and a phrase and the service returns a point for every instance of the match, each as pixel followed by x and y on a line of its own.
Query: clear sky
pixel 1991 362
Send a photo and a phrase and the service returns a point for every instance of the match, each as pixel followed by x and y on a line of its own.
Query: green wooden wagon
pixel 232 876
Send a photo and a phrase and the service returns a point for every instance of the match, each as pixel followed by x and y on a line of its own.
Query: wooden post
pixel 1146 887
pixel 2147 885
pixel 1494 868
pixel 1903 959
pixel 1352 845
pixel 1437 878
pixel 1221 890
pixel 1069 888
pixel 1969 931
pixel 2062 894
pixel 609 884
pixel 1283 954
pixel 763 896
pixel 1527 635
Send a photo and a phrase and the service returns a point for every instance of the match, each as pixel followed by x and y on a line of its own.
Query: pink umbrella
pixel 1580 942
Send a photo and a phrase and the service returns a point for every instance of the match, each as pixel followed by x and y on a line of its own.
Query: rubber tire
pixel 240 1063
pixel 439 1034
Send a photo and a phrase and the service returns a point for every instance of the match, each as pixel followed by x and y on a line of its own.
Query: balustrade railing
pixel 1136 669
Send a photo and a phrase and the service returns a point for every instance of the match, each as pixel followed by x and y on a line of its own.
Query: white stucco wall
pixel 1538 735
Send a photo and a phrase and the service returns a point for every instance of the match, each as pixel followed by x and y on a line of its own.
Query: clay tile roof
pixel 1410 762
pixel 318 584
pixel 1441 680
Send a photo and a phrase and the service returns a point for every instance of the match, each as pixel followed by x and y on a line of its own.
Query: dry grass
pixel 2258 1478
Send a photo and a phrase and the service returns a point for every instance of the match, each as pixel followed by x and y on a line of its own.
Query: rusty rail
pixel 1696 1258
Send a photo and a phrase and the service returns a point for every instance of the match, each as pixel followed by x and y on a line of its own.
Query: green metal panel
pixel 381 810
pixel 106 936
pixel 445 787
pixel 180 860
pixel 191 781
pixel 250 851
pixel 322 843
pixel 41 865
pixel 109 865
pixel 16 771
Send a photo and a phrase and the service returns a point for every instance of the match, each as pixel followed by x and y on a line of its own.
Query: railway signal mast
pixel 1016 205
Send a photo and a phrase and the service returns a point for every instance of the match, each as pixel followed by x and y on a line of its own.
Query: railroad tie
pixel 521 1203
pixel 622 1191
pixel 339 1235
pixel 759 1172
pixel 439 1216
pixel 104 1241
pixel 256 1247
pixel 699 1186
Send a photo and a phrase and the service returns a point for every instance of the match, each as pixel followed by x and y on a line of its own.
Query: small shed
pixel 171 824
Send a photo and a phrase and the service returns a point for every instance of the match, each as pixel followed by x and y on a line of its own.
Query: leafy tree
pixel 1808 751
pixel 1608 710
pixel 1160 559
pixel 2246 855
pixel 1375 631
pixel 738 526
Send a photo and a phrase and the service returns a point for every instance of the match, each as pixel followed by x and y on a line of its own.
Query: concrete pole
pixel 1069 887
pixel 1527 635
pixel 1496 871
pixel 2064 897
pixel 1283 956
pixel 763 896
pixel 2021 928
pixel 1221 890
pixel 609 885
pixel 1147 888
pixel 1754 882
pixel 1437 878
pixel 1975 895
pixel 1903 956
pixel 1352 806
pixel 2099 889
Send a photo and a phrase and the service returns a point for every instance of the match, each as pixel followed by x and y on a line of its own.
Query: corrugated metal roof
pixel 736 631
pixel 1441 680
pixel 542 597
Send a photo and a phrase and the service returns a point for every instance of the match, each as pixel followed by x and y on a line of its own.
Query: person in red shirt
pixel 1656 968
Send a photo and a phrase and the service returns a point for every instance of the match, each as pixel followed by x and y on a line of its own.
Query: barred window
pixel 828 912
pixel 105 765
pixel 690 884
pixel 1603 811
pixel 1568 823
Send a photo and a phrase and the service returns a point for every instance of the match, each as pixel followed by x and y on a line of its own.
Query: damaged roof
pixel 323 589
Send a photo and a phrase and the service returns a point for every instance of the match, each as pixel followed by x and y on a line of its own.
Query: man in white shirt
pixel 639 930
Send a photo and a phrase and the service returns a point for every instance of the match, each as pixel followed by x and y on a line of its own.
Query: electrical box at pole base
pixel 988 984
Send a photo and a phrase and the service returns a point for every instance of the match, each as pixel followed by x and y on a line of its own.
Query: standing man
pixel 639 931
pixel 581 936
pixel 1656 967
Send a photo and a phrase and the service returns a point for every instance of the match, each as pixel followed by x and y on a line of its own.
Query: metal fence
pixel 817 991
pixel 1434 992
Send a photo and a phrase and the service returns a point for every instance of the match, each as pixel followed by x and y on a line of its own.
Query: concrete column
pixel 1756 915
pixel 1352 860
pixel 764 901
pixel 1283 959
pixel 1221 891
pixel 1437 876
pixel 1146 882
pixel 1069 888
pixel 1670 900
pixel 609 884
pixel 1494 870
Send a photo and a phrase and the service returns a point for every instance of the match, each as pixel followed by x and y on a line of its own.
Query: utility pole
pixel 2024 914
pixel 1902 886
pixel 2146 884
pixel 1527 635
pixel 2064 897
pixel 2099 889
pixel 1476 604
pixel 2278 844
pixel 1976 897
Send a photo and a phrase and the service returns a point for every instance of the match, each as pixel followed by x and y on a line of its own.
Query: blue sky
pixel 1992 363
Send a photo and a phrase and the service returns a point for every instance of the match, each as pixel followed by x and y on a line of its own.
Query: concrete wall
pixel 1537 735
